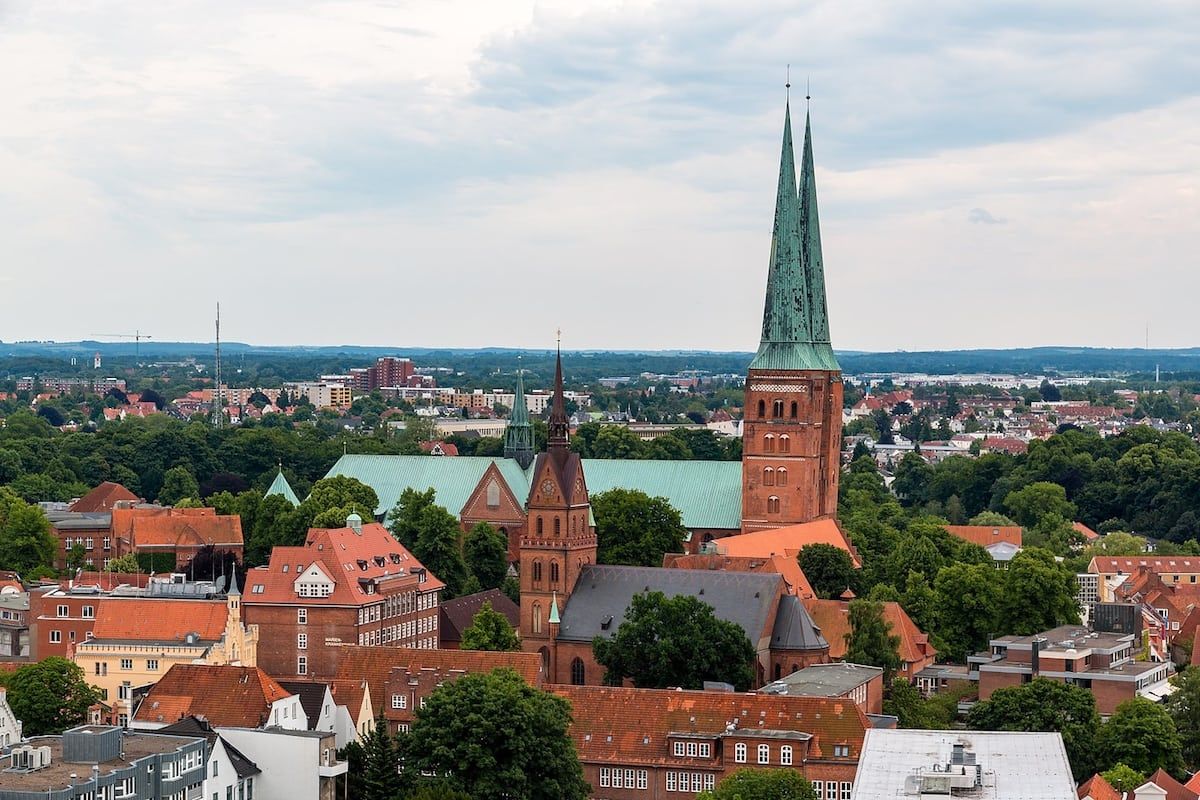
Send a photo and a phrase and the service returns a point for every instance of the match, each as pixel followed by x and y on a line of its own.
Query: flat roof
pixel 1065 637
pixel 823 680
pixel 1016 766
pixel 57 775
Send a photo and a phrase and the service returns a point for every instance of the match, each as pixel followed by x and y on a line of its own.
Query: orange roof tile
pixel 793 577
pixel 1087 533
pixel 1174 789
pixel 833 618
pixel 631 726
pixel 1193 783
pixel 225 696
pixel 1097 788
pixel 787 541
pixel 177 527
pixel 986 535
pixel 103 498
pixel 144 619
pixel 1107 565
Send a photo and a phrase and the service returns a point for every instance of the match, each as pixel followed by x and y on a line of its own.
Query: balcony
pixel 333 769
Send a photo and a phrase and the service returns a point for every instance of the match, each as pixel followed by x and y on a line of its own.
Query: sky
pixel 474 174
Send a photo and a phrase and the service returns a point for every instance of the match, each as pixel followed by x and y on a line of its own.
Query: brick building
pixel 858 683
pixel 385 372
pixel 130 528
pixel 237 696
pixel 63 615
pixel 639 743
pixel 352 585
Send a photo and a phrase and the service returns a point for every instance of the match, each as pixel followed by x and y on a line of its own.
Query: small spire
pixel 554 617
pixel 557 439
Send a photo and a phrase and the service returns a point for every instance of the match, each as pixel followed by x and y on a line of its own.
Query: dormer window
pixel 394 558
pixel 380 561
pixel 362 564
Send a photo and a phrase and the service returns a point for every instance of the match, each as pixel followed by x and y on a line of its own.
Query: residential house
pixel 317 701
pixel 637 743
pixel 456 615
pixel 14 626
pixel 1097 788
pixel 1161 786
pixel 222 695
pixel 295 764
pixel 228 773
pixel 10 726
pixel 1001 541
pixel 352 585
pixel 832 618
pixel 1114 570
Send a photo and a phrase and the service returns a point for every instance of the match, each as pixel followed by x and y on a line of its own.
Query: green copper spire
pixel 281 487
pixel 790 333
pixel 810 253
pixel 554 618
pixel 518 435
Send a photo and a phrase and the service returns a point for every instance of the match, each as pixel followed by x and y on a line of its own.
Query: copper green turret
pixel 795 332
pixel 518 435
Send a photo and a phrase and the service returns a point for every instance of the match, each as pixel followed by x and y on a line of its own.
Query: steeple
pixel 558 409
pixel 810 252
pixel 790 328
pixel 518 434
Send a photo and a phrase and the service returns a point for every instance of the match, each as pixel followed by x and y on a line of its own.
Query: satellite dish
pixel 220 583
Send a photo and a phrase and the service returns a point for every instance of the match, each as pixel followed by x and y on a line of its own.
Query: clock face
pixel 547 487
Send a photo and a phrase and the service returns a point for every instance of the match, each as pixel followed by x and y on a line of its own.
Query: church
pixel 788 475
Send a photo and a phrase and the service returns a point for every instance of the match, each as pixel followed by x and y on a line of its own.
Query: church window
pixel 539 526
pixel 537 617
pixel 537 571
pixel 768 476
pixel 577 673
pixel 762 408
pixel 777 410
pixel 772 505
pixel 781 476
pixel 795 409
pixel 769 443
pixel 557 526
pixel 785 444
pixel 554 573
pixel 493 493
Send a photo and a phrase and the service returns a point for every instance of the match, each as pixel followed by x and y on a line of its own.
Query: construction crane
pixel 137 337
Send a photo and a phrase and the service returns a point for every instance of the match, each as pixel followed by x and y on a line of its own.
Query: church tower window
pixel 768 476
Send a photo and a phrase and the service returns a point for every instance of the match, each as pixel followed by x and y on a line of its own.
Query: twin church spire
pixel 795 332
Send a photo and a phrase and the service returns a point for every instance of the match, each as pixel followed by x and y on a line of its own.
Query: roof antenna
pixel 807 93
pixel 787 87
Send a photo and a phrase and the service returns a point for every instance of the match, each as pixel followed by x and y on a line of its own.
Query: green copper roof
pixel 281 487
pixel 518 434
pixel 708 494
pixel 554 618
pixel 795 333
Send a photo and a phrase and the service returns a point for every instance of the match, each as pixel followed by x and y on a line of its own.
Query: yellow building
pixel 137 639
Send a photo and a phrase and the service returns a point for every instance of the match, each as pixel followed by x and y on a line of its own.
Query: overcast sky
pixel 453 173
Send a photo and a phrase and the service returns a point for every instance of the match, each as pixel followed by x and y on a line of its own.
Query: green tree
pixel 636 529
pixel 870 640
pixel 1039 594
pixel 675 642
pixel 829 569
pixel 25 539
pixel 341 491
pixel 127 563
pixel 178 483
pixel 1029 504
pixel 486 553
pixel 438 549
pixel 617 441
pixel 1123 778
pixel 50 696
pixel 1141 735
pixel 377 777
pixel 967 597
pixel 1184 707
pixel 490 630
pixel 406 516
pixel 991 518
pixel 761 784
pixel 495 737
pixel 1046 705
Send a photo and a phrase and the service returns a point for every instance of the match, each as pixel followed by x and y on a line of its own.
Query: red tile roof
pixel 1174 789
pixel 787 541
pixel 631 726
pixel 104 497
pixel 833 618
pixel 1096 788
pixel 987 535
pixel 157 527
pixel 159 620
pixel 225 696
pixel 1194 781
pixel 355 562
pixel 1172 565
pixel 1087 533
pixel 793 577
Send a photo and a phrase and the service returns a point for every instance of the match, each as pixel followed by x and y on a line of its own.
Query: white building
pixel 983 765
pixel 10 726
pixel 295 765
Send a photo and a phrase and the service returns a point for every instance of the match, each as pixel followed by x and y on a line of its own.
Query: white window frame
pixel 64 611
pixel 764 754
pixel 301 616
pixel 301 641
pixel 705 750
pixel 847 789
pixel 679 748
pixel 670 781
pixel 301 665
pixel 604 777
pixel 739 753
pixel 785 755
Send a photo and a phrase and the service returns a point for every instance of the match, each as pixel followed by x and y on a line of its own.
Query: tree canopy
pixel 1142 735
pixel 490 630
pixel 830 570
pixel 761 784
pixel 635 528
pixel 50 696
pixel 675 642
pixel 870 640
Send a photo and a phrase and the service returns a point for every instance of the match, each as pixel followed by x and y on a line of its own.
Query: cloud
pixel 983 216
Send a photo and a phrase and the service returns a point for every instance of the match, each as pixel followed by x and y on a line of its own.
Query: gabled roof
pixel 1097 788
pixel 453 478
pixel 832 618
pixel 281 487
pixel 788 540
pixel 225 696
pixel 103 498
pixel 145 619
pixel 986 535
pixel 787 566
pixel 190 726
pixel 312 698
pixel 1105 565
pixel 152 526
pixel 1086 532
pixel 1174 789
pixel 603 593
pixel 631 726
pixel 458 614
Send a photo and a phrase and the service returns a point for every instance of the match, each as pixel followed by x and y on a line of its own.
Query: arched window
pixel 539 526
pixel 777 409
pixel 768 476
pixel 537 617
pixel 764 754
pixel 493 494
pixel 778 671
pixel 739 752
pixel 781 476
pixel 795 409
pixel 785 444
pixel 785 755
pixel 772 505
pixel 762 408
pixel 553 573
pixel 577 674
pixel 557 526
pixel 537 572
pixel 769 443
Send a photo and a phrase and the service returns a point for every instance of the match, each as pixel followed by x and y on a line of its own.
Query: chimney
pixel 354 522
pixel 1033 660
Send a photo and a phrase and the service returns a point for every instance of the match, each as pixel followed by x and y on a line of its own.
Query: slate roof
pixel 787 566
pixel 788 540
pixel 312 698
pixel 103 498
pixel 192 727
pixel 226 696
pixel 458 614
pixel 604 592
pixel 794 628
pixel 631 726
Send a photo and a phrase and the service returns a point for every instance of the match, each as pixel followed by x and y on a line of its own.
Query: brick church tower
pixel 559 537
pixel 791 445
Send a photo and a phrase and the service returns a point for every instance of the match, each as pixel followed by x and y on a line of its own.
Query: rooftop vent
pixel 354 522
